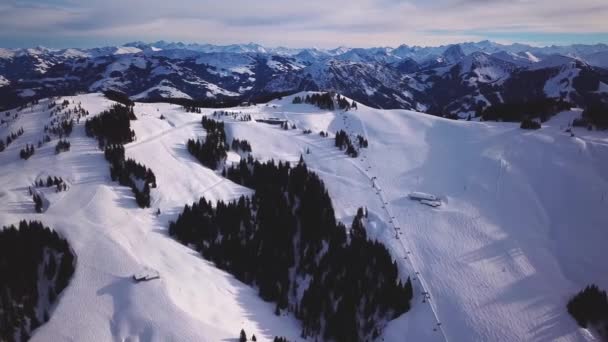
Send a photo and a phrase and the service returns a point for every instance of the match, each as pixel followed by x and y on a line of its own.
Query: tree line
pixel 10 138
pixel 212 151
pixel 542 109
pixel 239 116
pixel 57 182
pixel 112 128
pixel 62 146
pixel 286 236
pixel 342 141
pixel 325 101
pixel 119 97
pixel 129 173
pixel 26 295
pixel 596 114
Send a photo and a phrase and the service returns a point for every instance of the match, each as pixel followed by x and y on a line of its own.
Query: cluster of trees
pixel 130 173
pixel 212 151
pixel 63 128
pixel 8 115
pixel 63 112
pixel 243 337
pixel 119 97
pixel 218 102
pixel 362 141
pixel 342 141
pixel 286 233
pixel 590 306
pixel 62 146
pixel 235 115
pixel 325 101
pixel 595 114
pixel 321 100
pixel 38 205
pixel 285 125
pixel 112 126
pixel 57 182
pixel 44 140
pixel 323 134
pixel 10 138
pixel 50 181
pixel 529 124
pixel 27 151
pixel 242 145
pixel 26 294
pixel 192 109
pixel 344 104
pixel 542 109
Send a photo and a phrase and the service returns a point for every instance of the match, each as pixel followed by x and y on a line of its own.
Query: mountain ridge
pixel 419 78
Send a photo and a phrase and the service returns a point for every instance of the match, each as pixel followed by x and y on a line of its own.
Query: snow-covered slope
pixel 114 239
pixel 163 89
pixel 518 232
pixel 599 59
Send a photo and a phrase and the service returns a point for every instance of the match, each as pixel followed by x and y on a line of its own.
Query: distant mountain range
pixel 451 80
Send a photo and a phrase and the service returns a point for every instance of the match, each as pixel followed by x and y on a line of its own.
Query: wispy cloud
pixel 311 23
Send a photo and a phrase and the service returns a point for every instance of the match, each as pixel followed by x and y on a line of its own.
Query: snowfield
pixel 520 229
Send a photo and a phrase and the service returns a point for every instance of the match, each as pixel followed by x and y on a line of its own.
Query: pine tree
pixel 243 337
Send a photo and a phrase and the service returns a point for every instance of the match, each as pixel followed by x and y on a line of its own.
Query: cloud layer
pixel 324 23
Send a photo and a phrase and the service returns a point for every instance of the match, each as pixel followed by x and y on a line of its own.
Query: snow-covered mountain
pixel 517 234
pixel 408 77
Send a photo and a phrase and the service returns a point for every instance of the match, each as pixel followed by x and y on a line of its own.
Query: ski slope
pixel 520 226
pixel 114 240
pixel 519 229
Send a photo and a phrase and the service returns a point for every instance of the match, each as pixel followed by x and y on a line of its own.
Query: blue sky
pixel 321 23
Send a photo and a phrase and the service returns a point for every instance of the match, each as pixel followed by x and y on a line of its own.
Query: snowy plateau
pixel 519 230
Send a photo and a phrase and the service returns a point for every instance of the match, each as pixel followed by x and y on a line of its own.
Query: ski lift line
pixel 386 209
pixel 413 265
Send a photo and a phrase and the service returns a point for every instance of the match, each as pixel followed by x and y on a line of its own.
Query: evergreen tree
pixel 589 306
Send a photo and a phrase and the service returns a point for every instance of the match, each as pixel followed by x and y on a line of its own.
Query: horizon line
pixel 186 43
